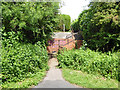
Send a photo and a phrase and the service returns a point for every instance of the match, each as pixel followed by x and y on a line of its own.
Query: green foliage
pixel 26 27
pixel 64 19
pixel 28 21
pixel 23 61
pixel 75 25
pixel 100 25
pixel 91 62
pixel 27 83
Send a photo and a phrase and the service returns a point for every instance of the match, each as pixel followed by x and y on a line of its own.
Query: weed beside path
pixel 28 82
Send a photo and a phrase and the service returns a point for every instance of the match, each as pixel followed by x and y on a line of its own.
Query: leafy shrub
pixel 100 25
pixel 29 21
pixel 23 61
pixel 24 24
pixel 75 25
pixel 90 62
pixel 64 19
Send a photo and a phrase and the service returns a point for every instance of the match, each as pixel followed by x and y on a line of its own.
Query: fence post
pixel 63 27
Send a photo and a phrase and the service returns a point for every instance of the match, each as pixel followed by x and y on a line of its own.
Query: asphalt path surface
pixel 54 78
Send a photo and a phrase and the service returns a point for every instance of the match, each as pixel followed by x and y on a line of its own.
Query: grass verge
pixel 27 83
pixel 88 80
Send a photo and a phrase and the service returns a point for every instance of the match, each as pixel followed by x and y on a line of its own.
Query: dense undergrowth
pixel 23 61
pixel 26 83
pixel 26 27
pixel 91 62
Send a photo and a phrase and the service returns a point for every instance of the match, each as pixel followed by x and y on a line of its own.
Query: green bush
pixel 75 25
pixel 23 61
pixel 90 62
pixel 29 21
pixel 64 19
pixel 100 25
pixel 23 25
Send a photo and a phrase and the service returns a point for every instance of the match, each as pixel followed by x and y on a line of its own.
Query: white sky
pixel 74 7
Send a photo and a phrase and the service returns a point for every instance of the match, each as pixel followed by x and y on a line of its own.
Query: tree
pixel 75 25
pixel 100 25
pixel 28 21
pixel 64 19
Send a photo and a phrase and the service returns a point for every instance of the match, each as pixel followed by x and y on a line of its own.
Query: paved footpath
pixel 54 78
